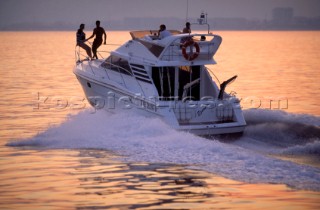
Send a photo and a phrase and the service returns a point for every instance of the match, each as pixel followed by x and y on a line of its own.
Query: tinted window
pixel 117 64
pixel 156 50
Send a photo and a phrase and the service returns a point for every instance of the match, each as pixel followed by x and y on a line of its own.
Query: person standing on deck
pixel 98 32
pixel 81 39
pixel 187 29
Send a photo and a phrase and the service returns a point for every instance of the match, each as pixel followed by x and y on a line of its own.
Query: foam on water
pixel 139 138
pixel 277 131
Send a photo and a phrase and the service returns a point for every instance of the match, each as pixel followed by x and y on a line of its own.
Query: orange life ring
pixel 190 56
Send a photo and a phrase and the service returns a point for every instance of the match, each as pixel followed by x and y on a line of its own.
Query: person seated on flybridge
pixel 163 32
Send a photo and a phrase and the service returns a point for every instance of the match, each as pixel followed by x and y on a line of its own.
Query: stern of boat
pixel 210 117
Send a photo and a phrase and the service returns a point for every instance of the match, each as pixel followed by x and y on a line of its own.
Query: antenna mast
pixel 187 11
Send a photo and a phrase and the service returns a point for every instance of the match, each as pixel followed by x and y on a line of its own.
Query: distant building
pixel 282 16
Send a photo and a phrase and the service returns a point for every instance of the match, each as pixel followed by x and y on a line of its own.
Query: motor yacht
pixel 167 78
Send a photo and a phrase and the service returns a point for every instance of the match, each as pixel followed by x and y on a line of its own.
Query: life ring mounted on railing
pixel 192 55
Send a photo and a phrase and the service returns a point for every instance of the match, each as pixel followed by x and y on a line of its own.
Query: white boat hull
pixel 103 96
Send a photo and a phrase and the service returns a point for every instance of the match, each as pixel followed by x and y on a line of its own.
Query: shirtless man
pixel 98 32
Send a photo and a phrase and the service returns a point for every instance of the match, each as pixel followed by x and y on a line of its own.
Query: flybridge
pixel 198 49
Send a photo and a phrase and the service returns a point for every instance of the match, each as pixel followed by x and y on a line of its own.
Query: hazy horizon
pixel 74 12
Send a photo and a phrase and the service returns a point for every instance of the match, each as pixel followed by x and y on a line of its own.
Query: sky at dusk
pixel 75 11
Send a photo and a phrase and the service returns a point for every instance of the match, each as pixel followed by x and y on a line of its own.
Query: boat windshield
pixel 141 34
pixel 155 49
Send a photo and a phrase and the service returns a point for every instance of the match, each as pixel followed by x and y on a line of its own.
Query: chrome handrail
pixel 111 64
pixel 213 74
pixel 79 54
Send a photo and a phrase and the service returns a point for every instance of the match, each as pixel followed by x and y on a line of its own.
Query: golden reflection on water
pixel 94 179
pixel 272 65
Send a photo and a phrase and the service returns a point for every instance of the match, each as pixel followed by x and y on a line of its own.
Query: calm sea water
pixel 58 153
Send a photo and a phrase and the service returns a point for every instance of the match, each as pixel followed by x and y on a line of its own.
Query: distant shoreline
pixel 57 30
pixel 218 24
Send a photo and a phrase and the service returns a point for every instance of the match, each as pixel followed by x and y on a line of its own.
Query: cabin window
pixel 118 64
pixel 164 80
pixel 187 75
pixel 181 82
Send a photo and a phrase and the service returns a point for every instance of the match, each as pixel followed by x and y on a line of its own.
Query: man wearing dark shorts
pixel 98 32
